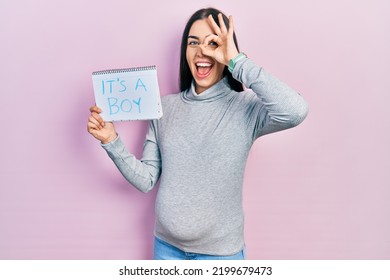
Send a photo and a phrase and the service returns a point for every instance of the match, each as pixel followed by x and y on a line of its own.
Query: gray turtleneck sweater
pixel 200 147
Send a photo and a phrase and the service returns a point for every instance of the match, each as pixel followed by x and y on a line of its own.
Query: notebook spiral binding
pixel 123 70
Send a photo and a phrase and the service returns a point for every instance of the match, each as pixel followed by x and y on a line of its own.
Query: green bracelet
pixel 234 60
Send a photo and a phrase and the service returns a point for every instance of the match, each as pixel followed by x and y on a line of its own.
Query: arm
pixel 144 173
pixel 280 108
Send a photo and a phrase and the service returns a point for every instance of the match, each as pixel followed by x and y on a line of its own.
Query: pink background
pixel 319 191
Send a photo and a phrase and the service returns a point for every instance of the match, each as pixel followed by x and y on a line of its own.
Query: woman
pixel 200 145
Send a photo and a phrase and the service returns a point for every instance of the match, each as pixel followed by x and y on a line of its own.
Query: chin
pixel 203 85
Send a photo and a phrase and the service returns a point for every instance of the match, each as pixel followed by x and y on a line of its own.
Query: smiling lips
pixel 203 69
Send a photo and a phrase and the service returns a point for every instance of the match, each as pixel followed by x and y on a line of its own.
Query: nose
pixel 199 52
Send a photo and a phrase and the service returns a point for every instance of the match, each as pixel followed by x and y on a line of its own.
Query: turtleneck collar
pixel 215 92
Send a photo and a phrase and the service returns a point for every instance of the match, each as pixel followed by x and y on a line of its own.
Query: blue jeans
pixel 165 251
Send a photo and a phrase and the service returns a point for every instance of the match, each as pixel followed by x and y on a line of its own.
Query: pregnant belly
pixel 186 220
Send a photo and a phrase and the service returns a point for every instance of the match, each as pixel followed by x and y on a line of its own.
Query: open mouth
pixel 203 69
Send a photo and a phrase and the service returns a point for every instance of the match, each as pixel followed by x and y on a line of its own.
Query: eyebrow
pixel 193 37
pixel 196 37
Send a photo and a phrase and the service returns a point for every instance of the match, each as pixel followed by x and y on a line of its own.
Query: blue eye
pixel 193 43
pixel 213 44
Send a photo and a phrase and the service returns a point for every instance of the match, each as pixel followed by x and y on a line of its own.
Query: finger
pixel 98 118
pixel 92 128
pixel 94 123
pixel 93 120
pixel 222 24
pixel 208 49
pixel 231 26
pixel 95 109
pixel 212 38
pixel 94 133
pixel 214 25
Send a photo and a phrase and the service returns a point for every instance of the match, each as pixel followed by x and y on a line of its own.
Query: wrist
pixel 233 61
pixel 109 139
pixel 231 56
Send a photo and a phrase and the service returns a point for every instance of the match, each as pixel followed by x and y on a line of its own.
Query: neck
pixel 218 90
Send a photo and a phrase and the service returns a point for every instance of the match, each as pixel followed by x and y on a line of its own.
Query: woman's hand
pixel 226 48
pixel 103 131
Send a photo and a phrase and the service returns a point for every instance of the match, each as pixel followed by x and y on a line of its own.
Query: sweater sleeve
pixel 280 107
pixel 144 173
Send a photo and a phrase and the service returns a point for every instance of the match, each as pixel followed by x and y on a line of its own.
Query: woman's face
pixel 205 70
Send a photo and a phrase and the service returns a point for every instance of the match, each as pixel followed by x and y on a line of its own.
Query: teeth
pixel 203 64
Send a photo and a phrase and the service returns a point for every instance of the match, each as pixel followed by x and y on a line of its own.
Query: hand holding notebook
pixel 127 94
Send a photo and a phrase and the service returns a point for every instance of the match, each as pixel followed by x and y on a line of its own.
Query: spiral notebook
pixel 128 93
